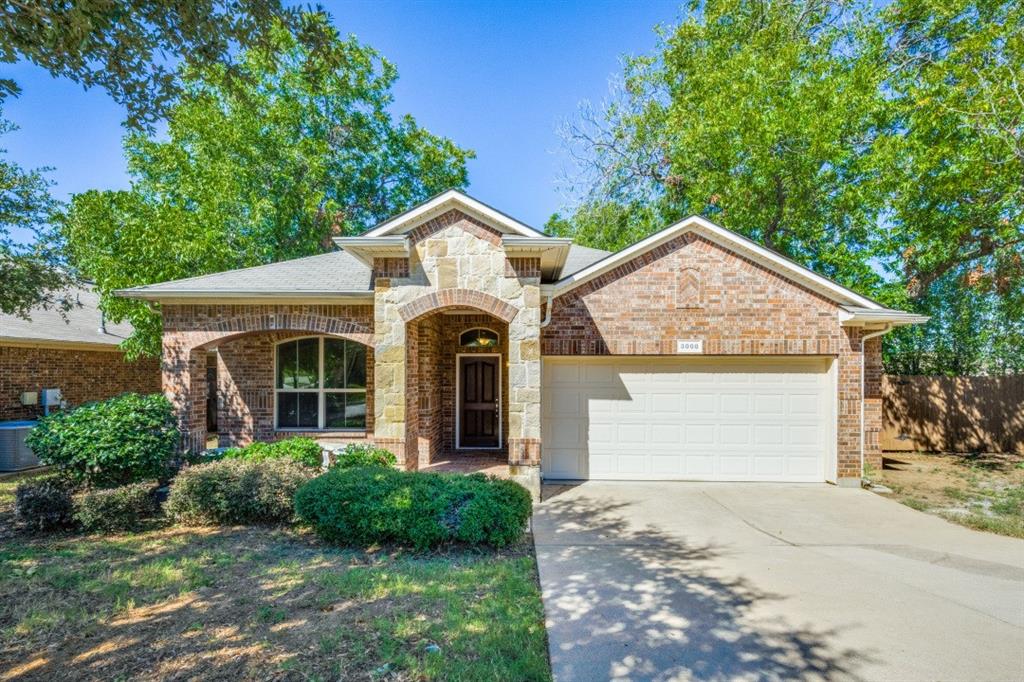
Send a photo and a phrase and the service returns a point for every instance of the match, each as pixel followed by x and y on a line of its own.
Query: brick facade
pixel 692 288
pixel 81 375
pixel 458 277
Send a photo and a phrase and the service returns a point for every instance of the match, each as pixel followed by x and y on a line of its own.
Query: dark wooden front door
pixel 479 402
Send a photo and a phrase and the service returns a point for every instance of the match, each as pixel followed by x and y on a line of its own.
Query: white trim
pixel 458 398
pixel 452 198
pixel 319 390
pixel 721 235
pixel 247 296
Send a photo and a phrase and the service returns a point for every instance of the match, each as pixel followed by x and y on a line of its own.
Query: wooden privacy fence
pixel 953 414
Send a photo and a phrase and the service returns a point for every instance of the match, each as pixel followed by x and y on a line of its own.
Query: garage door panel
pixel 686 419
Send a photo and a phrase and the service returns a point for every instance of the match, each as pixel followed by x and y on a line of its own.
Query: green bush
pixel 45 503
pixel 304 450
pixel 112 442
pixel 363 455
pixel 370 505
pixel 112 509
pixel 236 491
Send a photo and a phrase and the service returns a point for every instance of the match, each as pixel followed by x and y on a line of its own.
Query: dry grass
pixel 262 604
pixel 981 491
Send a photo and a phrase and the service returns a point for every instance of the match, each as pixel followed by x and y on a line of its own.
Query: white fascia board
pixel 445 201
pixel 365 249
pixel 728 238
pixel 552 251
pixel 863 316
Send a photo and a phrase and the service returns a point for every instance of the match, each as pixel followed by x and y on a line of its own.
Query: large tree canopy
pixel 129 47
pixel 132 50
pixel 29 275
pixel 248 175
pixel 880 146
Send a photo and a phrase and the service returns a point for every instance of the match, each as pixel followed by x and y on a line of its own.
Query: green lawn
pixel 262 603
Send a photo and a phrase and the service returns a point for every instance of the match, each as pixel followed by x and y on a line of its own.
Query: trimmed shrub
pixel 45 503
pixel 303 450
pixel 112 442
pixel 236 491
pixel 113 509
pixel 363 455
pixel 370 505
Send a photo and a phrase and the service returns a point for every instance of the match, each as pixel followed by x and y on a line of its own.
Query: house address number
pixel 689 346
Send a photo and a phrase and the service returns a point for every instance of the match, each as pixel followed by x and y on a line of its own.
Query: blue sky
pixel 497 77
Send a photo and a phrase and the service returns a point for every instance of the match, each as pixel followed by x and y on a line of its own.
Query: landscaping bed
pixel 981 491
pixel 262 603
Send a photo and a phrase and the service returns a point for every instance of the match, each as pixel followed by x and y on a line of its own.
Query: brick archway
pixel 230 328
pixel 456 298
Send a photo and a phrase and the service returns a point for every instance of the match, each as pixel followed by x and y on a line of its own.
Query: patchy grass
pixel 262 603
pixel 980 491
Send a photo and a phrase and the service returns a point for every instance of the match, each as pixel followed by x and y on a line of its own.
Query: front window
pixel 321 384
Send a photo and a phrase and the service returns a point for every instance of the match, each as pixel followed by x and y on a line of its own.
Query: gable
pixel 445 202
pixel 729 240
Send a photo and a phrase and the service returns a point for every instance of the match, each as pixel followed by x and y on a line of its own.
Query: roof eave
pixel 248 296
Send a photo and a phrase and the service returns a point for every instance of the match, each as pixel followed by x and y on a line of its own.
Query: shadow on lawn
pixel 239 604
pixel 640 604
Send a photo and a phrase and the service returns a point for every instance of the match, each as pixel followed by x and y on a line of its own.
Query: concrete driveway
pixel 665 581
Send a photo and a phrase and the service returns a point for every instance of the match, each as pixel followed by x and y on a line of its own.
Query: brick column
pixel 184 384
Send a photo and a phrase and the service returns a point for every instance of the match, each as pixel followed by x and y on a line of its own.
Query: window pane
pixel 355 410
pixel 286 365
pixel 355 365
pixel 345 410
pixel 307 368
pixel 334 363
pixel 297 410
pixel 309 410
pixel 478 338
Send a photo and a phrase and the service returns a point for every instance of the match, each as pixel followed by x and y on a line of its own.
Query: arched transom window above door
pixel 479 337
pixel 320 383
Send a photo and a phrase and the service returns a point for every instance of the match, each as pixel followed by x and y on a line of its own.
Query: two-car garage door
pixel 763 419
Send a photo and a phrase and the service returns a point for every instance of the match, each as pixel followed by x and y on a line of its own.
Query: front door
pixel 479 401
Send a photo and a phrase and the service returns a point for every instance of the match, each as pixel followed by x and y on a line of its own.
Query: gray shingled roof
pixel 333 272
pixel 81 326
pixel 336 271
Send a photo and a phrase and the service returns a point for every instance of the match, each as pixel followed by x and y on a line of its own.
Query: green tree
pixel 129 47
pixel 881 146
pixel 29 275
pixel 248 175
pixel 751 113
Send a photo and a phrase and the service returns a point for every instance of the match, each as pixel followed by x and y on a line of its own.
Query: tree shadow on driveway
pixel 627 603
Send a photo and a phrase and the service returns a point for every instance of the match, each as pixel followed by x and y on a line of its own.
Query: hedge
pixel 363 455
pixel 236 491
pixel 304 450
pixel 45 503
pixel 124 439
pixel 112 509
pixel 374 505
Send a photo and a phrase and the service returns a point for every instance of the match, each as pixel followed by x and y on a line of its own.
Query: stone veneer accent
pixel 456 263
pixel 81 375
pixel 739 308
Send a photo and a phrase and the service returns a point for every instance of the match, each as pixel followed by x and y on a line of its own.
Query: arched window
pixel 478 338
pixel 320 384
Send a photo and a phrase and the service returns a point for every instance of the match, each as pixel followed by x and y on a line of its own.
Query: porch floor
pixel 492 465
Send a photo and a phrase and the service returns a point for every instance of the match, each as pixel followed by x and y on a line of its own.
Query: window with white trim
pixel 320 384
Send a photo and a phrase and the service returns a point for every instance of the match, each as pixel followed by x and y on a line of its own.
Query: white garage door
pixel 767 419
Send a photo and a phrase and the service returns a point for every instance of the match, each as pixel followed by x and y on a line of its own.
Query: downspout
pixel 547 313
pixel 888 328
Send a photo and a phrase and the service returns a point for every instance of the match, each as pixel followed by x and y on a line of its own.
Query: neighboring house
pixel 454 329
pixel 75 352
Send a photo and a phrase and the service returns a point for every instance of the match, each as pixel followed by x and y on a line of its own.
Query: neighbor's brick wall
pixel 735 305
pixel 81 375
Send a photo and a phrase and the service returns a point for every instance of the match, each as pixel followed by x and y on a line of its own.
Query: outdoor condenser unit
pixel 14 454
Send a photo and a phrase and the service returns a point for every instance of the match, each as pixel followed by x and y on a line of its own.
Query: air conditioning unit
pixel 14 454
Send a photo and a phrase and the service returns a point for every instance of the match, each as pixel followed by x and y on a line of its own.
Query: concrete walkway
pixel 666 581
